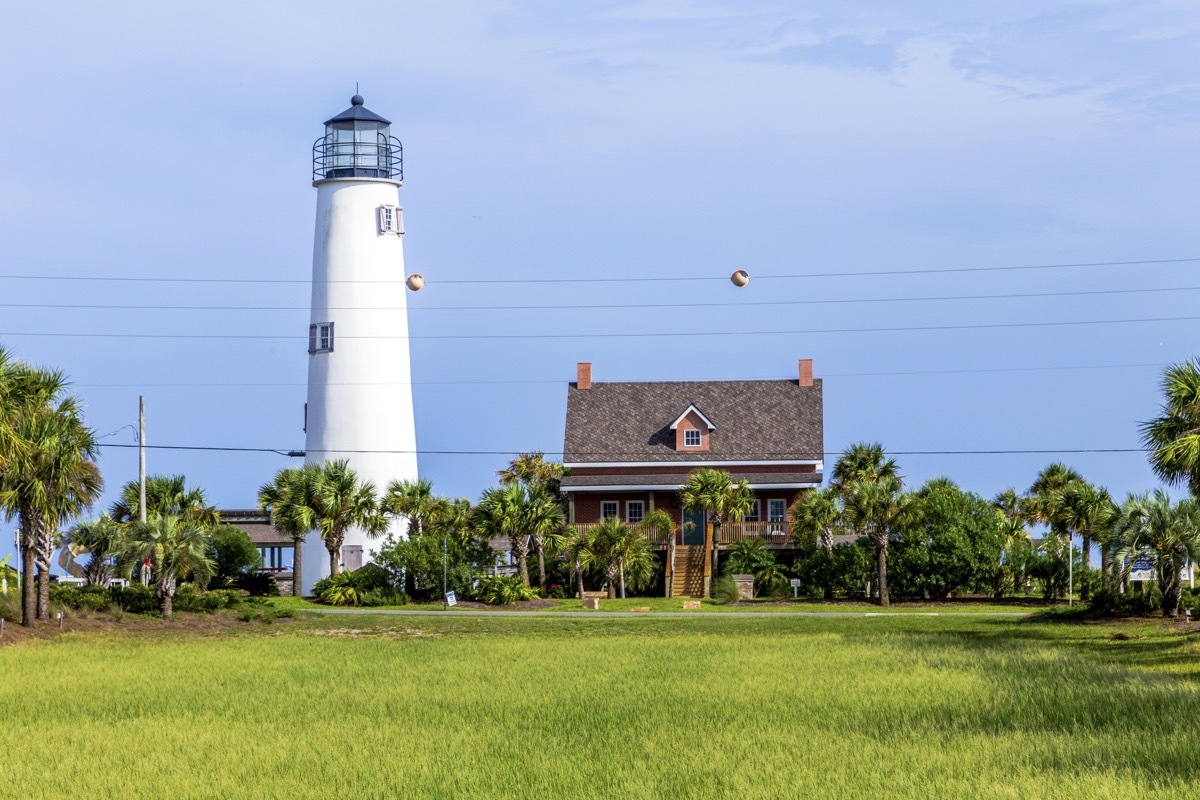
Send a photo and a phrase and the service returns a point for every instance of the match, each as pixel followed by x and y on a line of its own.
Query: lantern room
pixel 358 144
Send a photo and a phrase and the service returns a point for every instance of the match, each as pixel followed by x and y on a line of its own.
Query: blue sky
pixel 658 139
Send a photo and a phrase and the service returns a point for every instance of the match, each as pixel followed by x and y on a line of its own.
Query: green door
pixel 693 527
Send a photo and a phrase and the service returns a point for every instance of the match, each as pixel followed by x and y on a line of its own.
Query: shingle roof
pixel 679 479
pixel 257 526
pixel 755 421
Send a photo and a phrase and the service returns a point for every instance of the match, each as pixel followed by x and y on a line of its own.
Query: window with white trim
pixel 320 337
pixel 635 511
pixel 391 220
pixel 691 438
pixel 609 509
pixel 753 516
pixel 776 510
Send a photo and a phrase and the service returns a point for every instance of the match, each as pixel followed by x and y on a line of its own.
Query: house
pixel 631 445
pixel 275 548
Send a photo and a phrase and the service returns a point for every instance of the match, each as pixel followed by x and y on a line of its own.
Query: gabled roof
pixel 754 420
pixel 693 409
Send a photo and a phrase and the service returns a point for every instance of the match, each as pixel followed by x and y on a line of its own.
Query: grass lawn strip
pixel 935 707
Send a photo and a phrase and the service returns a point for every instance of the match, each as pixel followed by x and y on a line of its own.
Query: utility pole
pixel 141 458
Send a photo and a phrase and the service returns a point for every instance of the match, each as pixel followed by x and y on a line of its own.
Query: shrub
pixel 726 591
pixel 136 598
pixel 10 607
pixel 1107 603
pixel 257 584
pixel 503 590
pixel 233 555
pixel 383 597
pixel 190 597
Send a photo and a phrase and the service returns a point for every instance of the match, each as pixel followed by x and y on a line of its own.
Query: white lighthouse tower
pixel 360 404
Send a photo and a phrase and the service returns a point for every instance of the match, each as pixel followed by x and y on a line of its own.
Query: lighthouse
pixel 360 404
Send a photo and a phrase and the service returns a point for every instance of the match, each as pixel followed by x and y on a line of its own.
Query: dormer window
pixel 693 430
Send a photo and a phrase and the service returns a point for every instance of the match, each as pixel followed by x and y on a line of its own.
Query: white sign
pixel 1143 569
pixel 451 600
pixel 795 583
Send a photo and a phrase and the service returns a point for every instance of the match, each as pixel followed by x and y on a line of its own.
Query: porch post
pixel 709 545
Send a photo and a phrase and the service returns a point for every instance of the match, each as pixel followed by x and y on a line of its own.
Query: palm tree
pixel 1042 499
pixel 543 521
pixel 620 551
pixel 1173 438
pixel 814 519
pixel 166 495
pixel 501 512
pixel 1149 523
pixel 341 502
pixel 862 461
pixel 414 502
pixel 575 544
pixel 533 470
pixel 1011 504
pixel 289 500
pixel 104 540
pixel 714 492
pixel 877 507
pixel 52 478
pixel 1085 510
pixel 175 548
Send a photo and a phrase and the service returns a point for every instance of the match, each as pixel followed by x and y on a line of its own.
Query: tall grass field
pixel 462 707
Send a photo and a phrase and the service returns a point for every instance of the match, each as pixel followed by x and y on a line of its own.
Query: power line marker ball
pixel 416 282
pixel 740 277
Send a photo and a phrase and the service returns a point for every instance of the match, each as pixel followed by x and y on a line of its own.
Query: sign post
pixel 795 582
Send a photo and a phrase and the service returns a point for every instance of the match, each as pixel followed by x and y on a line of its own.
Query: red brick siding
pixel 692 422
pixel 587 504
pixel 669 469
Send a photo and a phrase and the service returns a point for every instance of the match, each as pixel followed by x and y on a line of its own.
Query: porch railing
pixel 774 533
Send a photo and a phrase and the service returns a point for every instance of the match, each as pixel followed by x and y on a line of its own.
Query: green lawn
pixel 676 604
pixel 376 706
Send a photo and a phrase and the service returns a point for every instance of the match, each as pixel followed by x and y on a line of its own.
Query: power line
pixel 782 457
pixel 631 279
pixel 648 334
pixel 560 381
pixel 609 306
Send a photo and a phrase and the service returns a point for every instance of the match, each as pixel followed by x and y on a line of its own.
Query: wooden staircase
pixel 689 571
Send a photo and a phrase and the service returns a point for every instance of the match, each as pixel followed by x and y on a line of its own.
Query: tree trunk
pixel 611 574
pixel 1105 578
pixel 541 554
pixel 522 551
pixel 579 577
pixel 43 592
pixel 297 566
pixel 167 604
pixel 881 546
pixel 715 554
pixel 335 566
pixel 28 583
pixel 621 567
pixel 1172 587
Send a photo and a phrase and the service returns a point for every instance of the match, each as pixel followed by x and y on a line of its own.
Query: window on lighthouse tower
pixel 320 337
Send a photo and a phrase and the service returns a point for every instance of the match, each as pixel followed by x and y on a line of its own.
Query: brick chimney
pixel 583 375
pixel 806 372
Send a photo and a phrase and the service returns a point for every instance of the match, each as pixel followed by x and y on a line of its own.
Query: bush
pixel 503 590
pixel 726 591
pixel 190 597
pixel 10 606
pixel 383 597
pixel 1107 603
pixel 257 584
pixel 233 555
pixel 136 598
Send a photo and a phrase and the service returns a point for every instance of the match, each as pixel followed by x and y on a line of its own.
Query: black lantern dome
pixel 358 144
